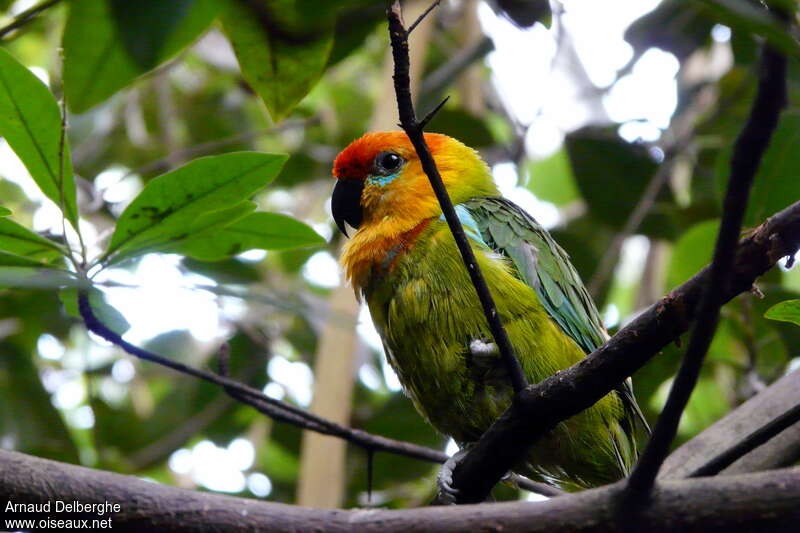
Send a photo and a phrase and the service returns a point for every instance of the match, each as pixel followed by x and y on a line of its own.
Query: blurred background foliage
pixel 580 140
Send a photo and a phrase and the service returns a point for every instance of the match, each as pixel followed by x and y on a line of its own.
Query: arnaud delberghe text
pixel 60 506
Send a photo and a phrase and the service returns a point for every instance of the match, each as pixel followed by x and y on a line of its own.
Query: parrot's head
pixel 380 181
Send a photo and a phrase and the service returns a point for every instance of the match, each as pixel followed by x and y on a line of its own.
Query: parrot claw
pixel 447 494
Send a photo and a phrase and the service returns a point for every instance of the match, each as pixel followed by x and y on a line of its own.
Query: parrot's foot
pixel 447 493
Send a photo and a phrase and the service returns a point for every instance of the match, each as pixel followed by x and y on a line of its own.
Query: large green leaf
pixel 787 311
pixel 22 241
pixel 31 123
pixel 267 231
pixel 109 43
pixel 173 205
pixel 4 212
pixel 281 57
pixel 693 251
pixel 776 184
pixel 612 175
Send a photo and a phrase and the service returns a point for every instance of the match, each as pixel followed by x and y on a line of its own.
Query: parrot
pixel 401 258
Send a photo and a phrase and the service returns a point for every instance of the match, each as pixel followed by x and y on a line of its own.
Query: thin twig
pixel 26 16
pixel 408 121
pixel 422 16
pixel 282 411
pixel 750 147
pixel 439 79
pixel 163 164
pixel 643 207
pixel 748 444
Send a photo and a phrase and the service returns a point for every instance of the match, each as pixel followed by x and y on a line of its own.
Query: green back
pixel 543 265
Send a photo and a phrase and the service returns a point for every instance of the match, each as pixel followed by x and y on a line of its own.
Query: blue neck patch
pixel 469 223
pixel 383 181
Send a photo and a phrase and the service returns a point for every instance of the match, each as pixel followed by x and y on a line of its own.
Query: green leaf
pixel 524 13
pixel 8 259
pixel 751 17
pixel 267 231
pixel 692 252
pixel 113 319
pixel 4 212
pixel 22 241
pixel 464 126
pixel 551 179
pixel 109 316
pixel 31 123
pixel 776 185
pixel 145 25
pixel 612 175
pixel 109 43
pixel 280 58
pixel 175 204
pixel 787 311
pixel 69 299
pixel 26 272
pixel 674 26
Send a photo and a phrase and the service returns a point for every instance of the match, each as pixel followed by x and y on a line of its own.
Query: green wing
pixel 544 266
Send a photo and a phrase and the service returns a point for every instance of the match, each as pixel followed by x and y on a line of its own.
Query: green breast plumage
pixel 437 340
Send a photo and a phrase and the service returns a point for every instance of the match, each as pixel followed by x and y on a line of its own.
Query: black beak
pixel 346 204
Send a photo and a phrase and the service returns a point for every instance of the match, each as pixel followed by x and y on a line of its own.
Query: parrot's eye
pixel 387 162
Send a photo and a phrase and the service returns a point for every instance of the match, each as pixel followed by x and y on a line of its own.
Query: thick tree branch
pixel 770 404
pixel 750 147
pixel 753 502
pixel 408 121
pixel 540 407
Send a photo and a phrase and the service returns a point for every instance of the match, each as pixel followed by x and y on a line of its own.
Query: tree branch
pixel 282 411
pixel 541 407
pixel 750 147
pixel 408 121
pixel 752 502
pixel 26 16
pixel 777 399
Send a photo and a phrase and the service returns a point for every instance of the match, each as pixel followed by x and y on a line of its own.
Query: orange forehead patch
pixel 356 161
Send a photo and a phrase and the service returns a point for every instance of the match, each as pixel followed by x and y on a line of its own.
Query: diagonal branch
pixel 750 147
pixel 414 129
pixel 542 406
pixel 740 425
pixel 27 16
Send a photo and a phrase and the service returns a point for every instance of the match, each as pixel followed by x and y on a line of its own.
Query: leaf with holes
pixel 265 231
pixel 787 311
pixel 281 59
pixel 30 121
pixel 171 206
